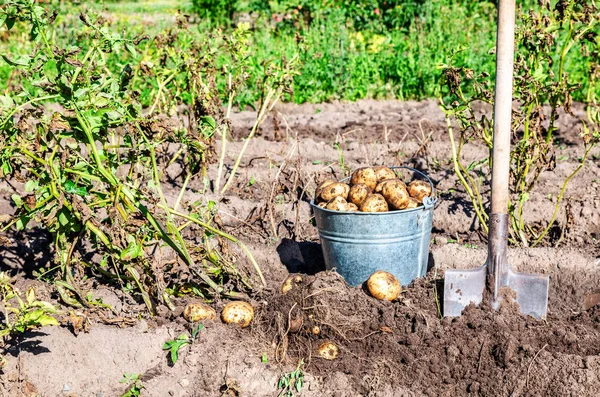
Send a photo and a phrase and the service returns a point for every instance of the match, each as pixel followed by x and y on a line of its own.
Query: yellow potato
pixel 328 350
pixel 358 193
pixel 412 203
pixel 336 189
pixel 374 203
pixel 382 173
pixel 419 189
pixel 383 286
pixel 380 185
pixel 316 330
pixel 321 187
pixel 322 204
pixel 365 176
pixel 351 207
pixel 395 194
pixel 240 313
pixel 291 282
pixel 337 204
pixel 197 311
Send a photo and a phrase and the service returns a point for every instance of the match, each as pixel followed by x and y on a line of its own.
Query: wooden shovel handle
pixel 505 48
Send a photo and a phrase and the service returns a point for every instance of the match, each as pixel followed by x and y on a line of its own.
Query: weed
pixel 291 383
pixel 136 387
pixel 173 346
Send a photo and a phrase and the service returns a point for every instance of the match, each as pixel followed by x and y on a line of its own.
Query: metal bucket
pixel 356 244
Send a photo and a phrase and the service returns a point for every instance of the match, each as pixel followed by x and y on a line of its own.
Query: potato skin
pixel 337 204
pixel 321 187
pixel 322 204
pixel 374 203
pixel 365 176
pixel 395 194
pixel 383 286
pixel 351 207
pixel 336 189
pixel 238 312
pixel 328 350
pixel 290 282
pixel 197 311
pixel 418 189
pixel 358 193
pixel 380 185
pixel 382 173
pixel 412 203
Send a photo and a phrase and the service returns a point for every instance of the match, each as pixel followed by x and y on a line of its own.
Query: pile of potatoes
pixel 372 189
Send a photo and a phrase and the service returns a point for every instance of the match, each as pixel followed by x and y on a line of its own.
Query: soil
pixel 401 348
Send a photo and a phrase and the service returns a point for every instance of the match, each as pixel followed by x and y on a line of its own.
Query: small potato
pixel 412 203
pixel 383 286
pixel 240 313
pixel 336 189
pixel 328 350
pixel 291 282
pixel 380 185
pixel 322 186
pixel 419 189
pixel 322 204
pixel 374 203
pixel 382 173
pixel 351 207
pixel 316 330
pixel 395 194
pixel 337 204
pixel 366 176
pixel 197 311
pixel 358 193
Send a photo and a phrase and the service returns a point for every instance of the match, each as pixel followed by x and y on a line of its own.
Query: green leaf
pixel 23 60
pixel 6 102
pixel 30 296
pixel 17 200
pixel 72 188
pixel 31 186
pixel 130 48
pixel 2 19
pixel 132 251
pixel 10 22
pixel 196 330
pixel 208 121
pixel 45 320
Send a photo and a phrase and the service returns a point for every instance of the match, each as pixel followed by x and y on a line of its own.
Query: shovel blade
pixel 532 293
pixel 462 287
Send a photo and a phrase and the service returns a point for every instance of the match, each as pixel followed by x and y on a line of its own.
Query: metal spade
pixel 462 287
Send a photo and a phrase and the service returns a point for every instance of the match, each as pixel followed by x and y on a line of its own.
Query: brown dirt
pixel 401 348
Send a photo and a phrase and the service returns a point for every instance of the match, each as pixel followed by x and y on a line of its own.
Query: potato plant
pixel 93 160
pixel 545 42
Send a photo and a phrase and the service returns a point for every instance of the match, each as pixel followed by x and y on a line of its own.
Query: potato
pixel 197 311
pixel 238 312
pixel 380 185
pixel 412 203
pixel 374 203
pixel 358 193
pixel 351 207
pixel 383 286
pixel 291 282
pixel 321 187
pixel 316 330
pixel 382 173
pixel 395 194
pixel 336 189
pixel 365 176
pixel 337 204
pixel 322 204
pixel 328 350
pixel 419 189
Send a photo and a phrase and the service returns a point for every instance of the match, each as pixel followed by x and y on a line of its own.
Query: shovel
pixel 462 287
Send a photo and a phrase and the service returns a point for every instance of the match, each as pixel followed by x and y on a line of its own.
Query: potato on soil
pixel 419 189
pixel 366 176
pixel 194 312
pixel 380 185
pixel 336 189
pixel 358 193
pixel 351 207
pixel 383 286
pixel 395 194
pixel 328 350
pixel 291 282
pixel 382 173
pixel 238 312
pixel 321 187
pixel 337 204
pixel 374 203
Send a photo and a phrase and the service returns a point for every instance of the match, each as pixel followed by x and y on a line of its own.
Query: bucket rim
pixel 428 201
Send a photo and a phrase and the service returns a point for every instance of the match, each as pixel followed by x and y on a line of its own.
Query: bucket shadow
pixel 301 257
